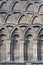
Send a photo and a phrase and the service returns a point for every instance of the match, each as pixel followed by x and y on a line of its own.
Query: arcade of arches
pixel 21 31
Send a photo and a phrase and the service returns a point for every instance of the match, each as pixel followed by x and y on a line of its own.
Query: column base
pixel 34 59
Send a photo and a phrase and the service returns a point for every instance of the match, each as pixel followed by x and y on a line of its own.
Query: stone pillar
pixel 21 47
pixel 7 50
pixel 21 51
pixel 35 50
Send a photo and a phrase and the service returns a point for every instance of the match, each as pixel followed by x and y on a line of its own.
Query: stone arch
pixel 22 27
pixel 3 47
pixel 29 44
pixel 37 19
pixel 26 16
pixel 6 5
pixel 40 10
pixel 14 2
pixel 16 36
pixel 39 30
pixel 13 46
pixel 30 6
pixel 16 26
pixel 40 43
pixel 12 15
pixel 16 5
pixel 27 5
pixel 2 3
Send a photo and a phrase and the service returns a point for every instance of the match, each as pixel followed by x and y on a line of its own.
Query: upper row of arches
pixel 18 17
pixel 26 5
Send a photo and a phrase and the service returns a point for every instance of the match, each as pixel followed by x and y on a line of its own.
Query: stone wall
pixel 21 31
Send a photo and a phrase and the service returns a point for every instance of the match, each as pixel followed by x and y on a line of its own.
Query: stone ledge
pixel 36 62
pixel 12 62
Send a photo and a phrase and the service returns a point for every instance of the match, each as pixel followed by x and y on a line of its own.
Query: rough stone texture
pixel 21 32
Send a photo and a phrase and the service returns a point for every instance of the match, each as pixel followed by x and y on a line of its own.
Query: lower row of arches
pixel 20 46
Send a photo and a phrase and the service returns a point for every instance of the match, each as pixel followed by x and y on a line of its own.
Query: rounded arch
pixel 17 3
pixel 40 11
pixel 2 3
pixel 20 39
pixel 3 38
pixel 14 29
pixel 13 45
pixel 25 16
pixel 40 43
pixel 14 3
pixel 30 6
pixel 19 28
pixel 36 19
pixel 29 35
pixel 27 5
pixel 29 28
pixel 5 31
pixel 4 27
pixel 39 30
pixel 15 37
pixel 9 26
pixel 12 14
